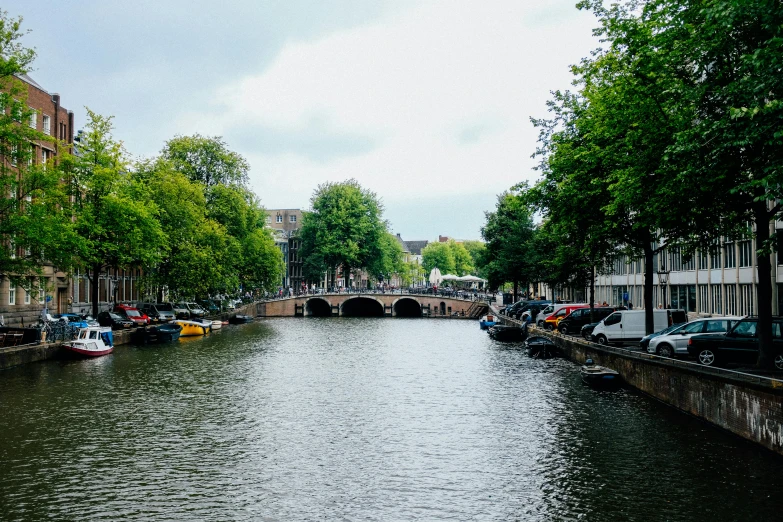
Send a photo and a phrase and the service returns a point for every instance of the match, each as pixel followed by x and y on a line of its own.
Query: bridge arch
pixel 318 307
pixel 406 307
pixel 362 306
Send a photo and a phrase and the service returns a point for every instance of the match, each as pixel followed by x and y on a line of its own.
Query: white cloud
pixel 442 94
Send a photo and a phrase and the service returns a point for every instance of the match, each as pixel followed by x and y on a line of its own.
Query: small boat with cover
pixel 240 319
pixel 487 322
pixel 599 376
pixel 92 341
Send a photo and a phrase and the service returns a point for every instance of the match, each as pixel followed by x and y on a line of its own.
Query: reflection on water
pixel 365 419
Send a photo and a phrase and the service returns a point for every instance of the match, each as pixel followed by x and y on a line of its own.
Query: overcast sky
pixel 425 103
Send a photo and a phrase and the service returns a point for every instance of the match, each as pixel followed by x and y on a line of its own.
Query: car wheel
pixel 602 340
pixel 540 324
pixel 707 357
pixel 665 350
pixel 586 336
pixel 550 327
pixel 779 362
pixel 563 329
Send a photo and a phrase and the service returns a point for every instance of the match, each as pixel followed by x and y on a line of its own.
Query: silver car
pixel 676 342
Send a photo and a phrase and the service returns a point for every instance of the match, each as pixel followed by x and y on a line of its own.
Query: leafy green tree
pixel 206 160
pixel 387 260
pixel 440 256
pixel 463 262
pixel 476 250
pixel 35 214
pixel 117 228
pixel 509 234
pixel 344 229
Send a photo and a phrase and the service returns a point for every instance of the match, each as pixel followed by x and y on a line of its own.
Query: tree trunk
pixel 96 272
pixel 347 276
pixel 516 286
pixel 764 267
pixel 592 295
pixel 649 307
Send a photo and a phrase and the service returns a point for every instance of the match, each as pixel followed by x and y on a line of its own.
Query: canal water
pixel 358 419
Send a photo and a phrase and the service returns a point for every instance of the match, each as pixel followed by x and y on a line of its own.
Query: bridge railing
pixel 461 295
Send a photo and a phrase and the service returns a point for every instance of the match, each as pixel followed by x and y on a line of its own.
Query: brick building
pixel 285 223
pixel 18 306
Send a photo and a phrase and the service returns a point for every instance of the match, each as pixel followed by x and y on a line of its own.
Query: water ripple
pixel 358 419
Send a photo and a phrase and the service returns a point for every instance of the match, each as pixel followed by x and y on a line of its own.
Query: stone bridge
pixel 371 305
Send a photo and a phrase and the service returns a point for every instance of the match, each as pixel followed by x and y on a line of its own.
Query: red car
pixel 138 317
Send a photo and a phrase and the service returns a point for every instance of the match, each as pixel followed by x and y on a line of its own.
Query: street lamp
pixel 663 278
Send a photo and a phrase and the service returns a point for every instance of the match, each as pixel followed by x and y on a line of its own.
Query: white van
pixel 551 309
pixel 626 326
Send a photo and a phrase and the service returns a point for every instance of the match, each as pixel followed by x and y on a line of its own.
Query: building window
pixel 731 299
pixel 746 299
pixel 11 294
pixel 279 218
pixel 33 120
pixel 715 261
pixel 292 219
pixel 45 155
pixel 47 126
pixel 729 257
pixel 703 262
pixel 745 253
pixel 716 303
pixel 27 292
pixel 269 219
pixel 704 299
pixel 14 156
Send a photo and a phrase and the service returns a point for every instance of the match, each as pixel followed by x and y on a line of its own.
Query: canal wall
pixel 747 405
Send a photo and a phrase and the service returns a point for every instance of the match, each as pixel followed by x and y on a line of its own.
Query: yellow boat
pixel 191 328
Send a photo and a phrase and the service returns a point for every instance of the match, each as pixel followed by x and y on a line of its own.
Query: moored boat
pixel 192 328
pixel 161 333
pixel 239 319
pixel 487 321
pixel 217 325
pixel 92 341
pixel 599 376
pixel 501 332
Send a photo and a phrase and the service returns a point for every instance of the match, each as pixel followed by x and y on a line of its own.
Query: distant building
pixel 285 223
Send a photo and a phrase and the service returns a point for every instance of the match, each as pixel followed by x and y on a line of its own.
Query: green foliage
pixel 206 160
pixel 343 229
pixel 35 214
pixel 388 259
pixel 117 228
pixel 440 256
pixel 509 235
pixel 477 250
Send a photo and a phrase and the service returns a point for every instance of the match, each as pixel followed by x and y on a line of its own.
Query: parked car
pixel 532 308
pixel 577 319
pixel 159 312
pixel 552 321
pixel 132 313
pixel 115 321
pixel 587 331
pixel 645 342
pixel 738 345
pixel 625 326
pixel 210 307
pixel 675 342
pixel 181 311
pixel 551 308
pixel 195 310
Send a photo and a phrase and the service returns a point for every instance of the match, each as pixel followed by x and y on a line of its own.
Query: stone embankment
pixel 745 404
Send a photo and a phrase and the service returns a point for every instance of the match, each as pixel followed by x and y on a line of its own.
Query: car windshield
pixel 163 307
pixel 115 316
pixel 132 313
